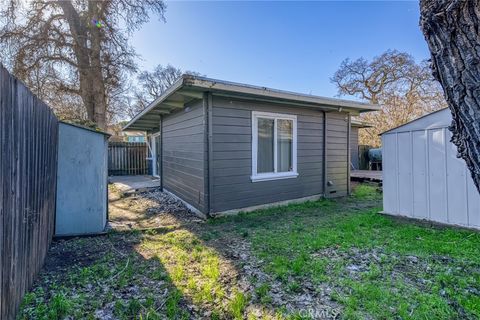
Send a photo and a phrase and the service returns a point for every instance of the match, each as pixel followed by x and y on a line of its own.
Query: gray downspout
pixel 349 156
pixel 325 154
pixel 161 152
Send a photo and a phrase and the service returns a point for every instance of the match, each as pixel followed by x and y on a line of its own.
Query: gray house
pixel 224 147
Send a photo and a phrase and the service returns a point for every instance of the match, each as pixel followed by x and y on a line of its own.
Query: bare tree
pixel 451 29
pixel 151 85
pixel 404 89
pixel 76 47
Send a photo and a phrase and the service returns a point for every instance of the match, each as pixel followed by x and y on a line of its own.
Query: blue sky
pixel 294 46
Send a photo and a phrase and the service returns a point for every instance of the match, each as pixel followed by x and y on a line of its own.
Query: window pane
pixel 284 145
pixel 265 145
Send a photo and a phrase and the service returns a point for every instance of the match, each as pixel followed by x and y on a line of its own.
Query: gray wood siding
pixel 232 163
pixel 184 154
pixel 354 147
pixel 337 154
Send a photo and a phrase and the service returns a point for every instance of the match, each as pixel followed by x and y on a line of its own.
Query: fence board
pixel 28 165
pixel 127 158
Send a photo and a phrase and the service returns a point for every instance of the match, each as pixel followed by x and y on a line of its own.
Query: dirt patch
pixel 152 209
pixel 266 290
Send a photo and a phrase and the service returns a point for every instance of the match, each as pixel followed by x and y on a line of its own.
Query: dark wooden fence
pixel 127 158
pixel 28 166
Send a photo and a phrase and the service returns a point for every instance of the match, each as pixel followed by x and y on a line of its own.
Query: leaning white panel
pixel 405 196
pixel 390 174
pixel 437 175
pixel 419 174
pixel 473 202
pixel 456 180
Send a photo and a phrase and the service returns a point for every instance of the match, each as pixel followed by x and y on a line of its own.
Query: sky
pixel 294 46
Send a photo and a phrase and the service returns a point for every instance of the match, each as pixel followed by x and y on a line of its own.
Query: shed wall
pixel 232 155
pixel 81 181
pixel 423 178
pixel 184 154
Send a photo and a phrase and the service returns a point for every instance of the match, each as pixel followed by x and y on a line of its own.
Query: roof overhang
pixel 360 124
pixel 189 88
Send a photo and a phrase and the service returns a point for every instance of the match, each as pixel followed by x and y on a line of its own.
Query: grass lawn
pixel 336 258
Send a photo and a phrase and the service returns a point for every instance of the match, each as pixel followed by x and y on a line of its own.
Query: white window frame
pixel 256 177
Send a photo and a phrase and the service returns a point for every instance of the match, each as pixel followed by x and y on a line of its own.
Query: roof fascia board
pixel 276 101
pixel 229 87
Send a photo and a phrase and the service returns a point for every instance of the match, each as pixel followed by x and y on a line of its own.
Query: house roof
pixel 188 88
pixel 361 124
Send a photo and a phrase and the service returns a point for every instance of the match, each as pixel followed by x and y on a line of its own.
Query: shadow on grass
pixel 183 269
pixel 104 277
pixel 270 263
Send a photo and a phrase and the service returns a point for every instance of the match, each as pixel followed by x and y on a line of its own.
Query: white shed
pixel 422 176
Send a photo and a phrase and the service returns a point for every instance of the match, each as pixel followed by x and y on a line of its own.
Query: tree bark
pixel 87 50
pixel 452 31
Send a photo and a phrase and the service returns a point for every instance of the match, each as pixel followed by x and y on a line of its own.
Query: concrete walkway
pixel 132 184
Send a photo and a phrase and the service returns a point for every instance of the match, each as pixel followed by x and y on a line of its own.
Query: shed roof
pixel 188 88
pixel 79 126
pixel 438 119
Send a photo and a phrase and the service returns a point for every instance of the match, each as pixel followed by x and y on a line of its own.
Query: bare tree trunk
pixel 92 86
pixel 451 28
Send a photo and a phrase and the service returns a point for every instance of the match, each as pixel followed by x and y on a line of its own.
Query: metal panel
pixel 390 173
pixel 405 174
pixel 81 181
pixel 441 185
pixel 437 175
pixel 457 199
pixel 419 176
pixel 473 201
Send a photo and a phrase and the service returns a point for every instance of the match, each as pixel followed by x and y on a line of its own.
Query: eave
pixel 189 88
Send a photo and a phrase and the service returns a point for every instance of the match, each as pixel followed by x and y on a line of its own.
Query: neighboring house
pixel 224 147
pixel 134 136
pixel 354 152
pixel 127 136
pixel 422 176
